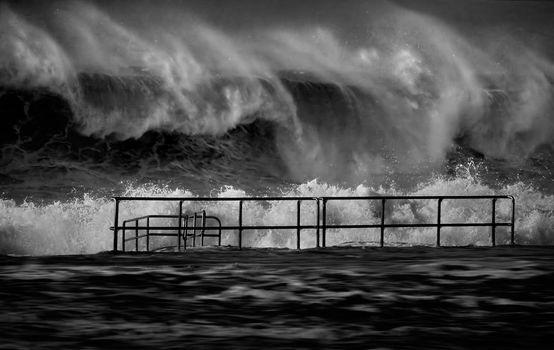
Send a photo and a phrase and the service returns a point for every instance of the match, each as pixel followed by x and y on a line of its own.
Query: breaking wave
pixel 396 98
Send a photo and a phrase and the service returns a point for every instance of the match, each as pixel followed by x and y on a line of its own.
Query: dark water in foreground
pixel 402 298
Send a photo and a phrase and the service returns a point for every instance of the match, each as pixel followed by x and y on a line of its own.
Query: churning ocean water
pixel 264 98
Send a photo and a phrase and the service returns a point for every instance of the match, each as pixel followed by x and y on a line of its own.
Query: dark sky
pixel 238 14
pixel 351 21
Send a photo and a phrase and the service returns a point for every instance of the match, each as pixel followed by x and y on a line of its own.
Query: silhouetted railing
pixel 148 229
pixel 203 217
pixel 188 224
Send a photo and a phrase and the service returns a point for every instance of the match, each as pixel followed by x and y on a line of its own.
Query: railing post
pixel 180 218
pixel 439 222
pixel 383 222
pixel 298 224
pixel 317 225
pixel 115 225
pixel 219 237
pixel 194 230
pixel 123 237
pixel 148 234
pixel 512 238
pixel 136 235
pixel 203 227
pixel 240 224
pixel 324 223
pixel 186 235
pixel 493 233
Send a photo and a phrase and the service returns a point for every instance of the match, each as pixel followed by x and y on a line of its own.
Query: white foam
pixel 82 225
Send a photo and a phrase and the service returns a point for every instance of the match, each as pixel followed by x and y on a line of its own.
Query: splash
pixel 81 225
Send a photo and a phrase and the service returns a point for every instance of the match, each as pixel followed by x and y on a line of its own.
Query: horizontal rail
pixel 157 216
pixel 223 228
pixel 478 224
pixel 160 235
pixel 304 227
pixel 231 199
pixel 153 235
pixel 163 217
pixel 211 199
pixel 417 197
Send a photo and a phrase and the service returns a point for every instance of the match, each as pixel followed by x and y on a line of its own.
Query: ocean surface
pixel 276 98
pixel 333 298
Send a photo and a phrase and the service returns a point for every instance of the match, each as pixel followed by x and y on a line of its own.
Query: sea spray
pixel 386 97
pixel 82 225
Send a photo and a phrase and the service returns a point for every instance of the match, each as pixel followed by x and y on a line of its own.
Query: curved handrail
pixel 149 234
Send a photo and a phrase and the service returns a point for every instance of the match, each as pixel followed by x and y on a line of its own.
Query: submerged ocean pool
pixel 333 298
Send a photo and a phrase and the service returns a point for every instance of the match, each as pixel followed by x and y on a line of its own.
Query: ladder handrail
pixel 147 228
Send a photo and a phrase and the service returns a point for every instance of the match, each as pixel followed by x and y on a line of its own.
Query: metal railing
pixel 320 225
pixel 200 215
pixel 181 235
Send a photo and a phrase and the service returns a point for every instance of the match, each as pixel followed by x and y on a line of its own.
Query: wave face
pixel 100 99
